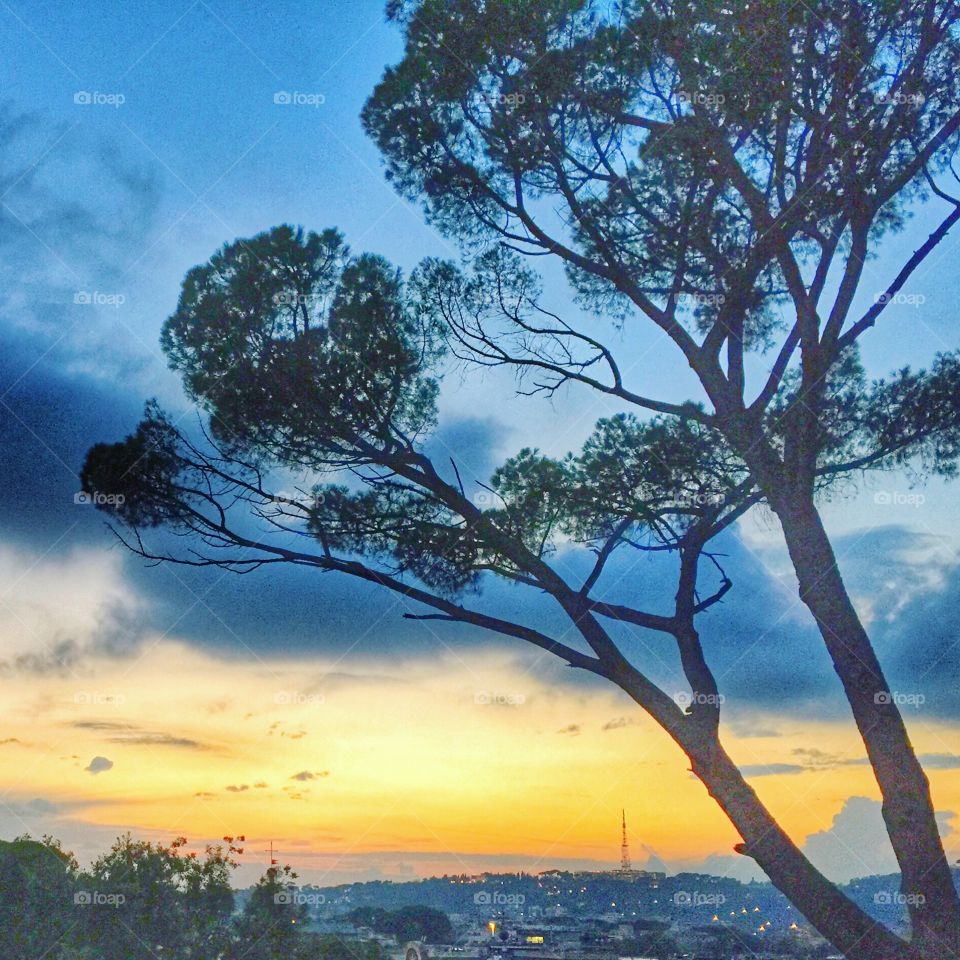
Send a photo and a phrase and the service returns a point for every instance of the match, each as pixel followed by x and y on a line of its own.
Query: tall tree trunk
pixel 834 915
pixel 907 806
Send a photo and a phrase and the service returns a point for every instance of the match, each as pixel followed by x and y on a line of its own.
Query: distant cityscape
pixel 620 914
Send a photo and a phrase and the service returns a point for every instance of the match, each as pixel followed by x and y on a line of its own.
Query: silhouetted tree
pixel 272 921
pixel 408 923
pixel 721 172
pixel 336 948
pixel 36 897
pixel 143 898
pixel 373 917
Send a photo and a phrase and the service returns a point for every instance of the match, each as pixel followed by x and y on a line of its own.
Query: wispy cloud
pixel 131 734
pixel 618 722
pixel 940 761
pixel 771 769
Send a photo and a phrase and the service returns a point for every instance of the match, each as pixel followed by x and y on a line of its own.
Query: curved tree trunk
pixel 833 914
pixel 907 805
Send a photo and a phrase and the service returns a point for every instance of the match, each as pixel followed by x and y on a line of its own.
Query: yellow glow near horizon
pixel 460 760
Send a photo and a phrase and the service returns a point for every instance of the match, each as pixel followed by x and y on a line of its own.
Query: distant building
pixel 418 950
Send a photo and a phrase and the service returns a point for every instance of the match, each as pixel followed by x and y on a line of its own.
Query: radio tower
pixel 625 865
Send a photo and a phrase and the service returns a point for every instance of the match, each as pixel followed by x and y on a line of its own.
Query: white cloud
pixel 55 607
pixel 856 843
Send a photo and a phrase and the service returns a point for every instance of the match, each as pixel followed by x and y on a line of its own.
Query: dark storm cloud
pixel 48 419
pixel 296 610
pixel 912 591
pixel 763 648
pixel 768 654
pixel 763 659
pixel 55 403
pixel 763 645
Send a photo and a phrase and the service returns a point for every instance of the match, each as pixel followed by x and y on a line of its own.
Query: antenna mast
pixel 273 860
